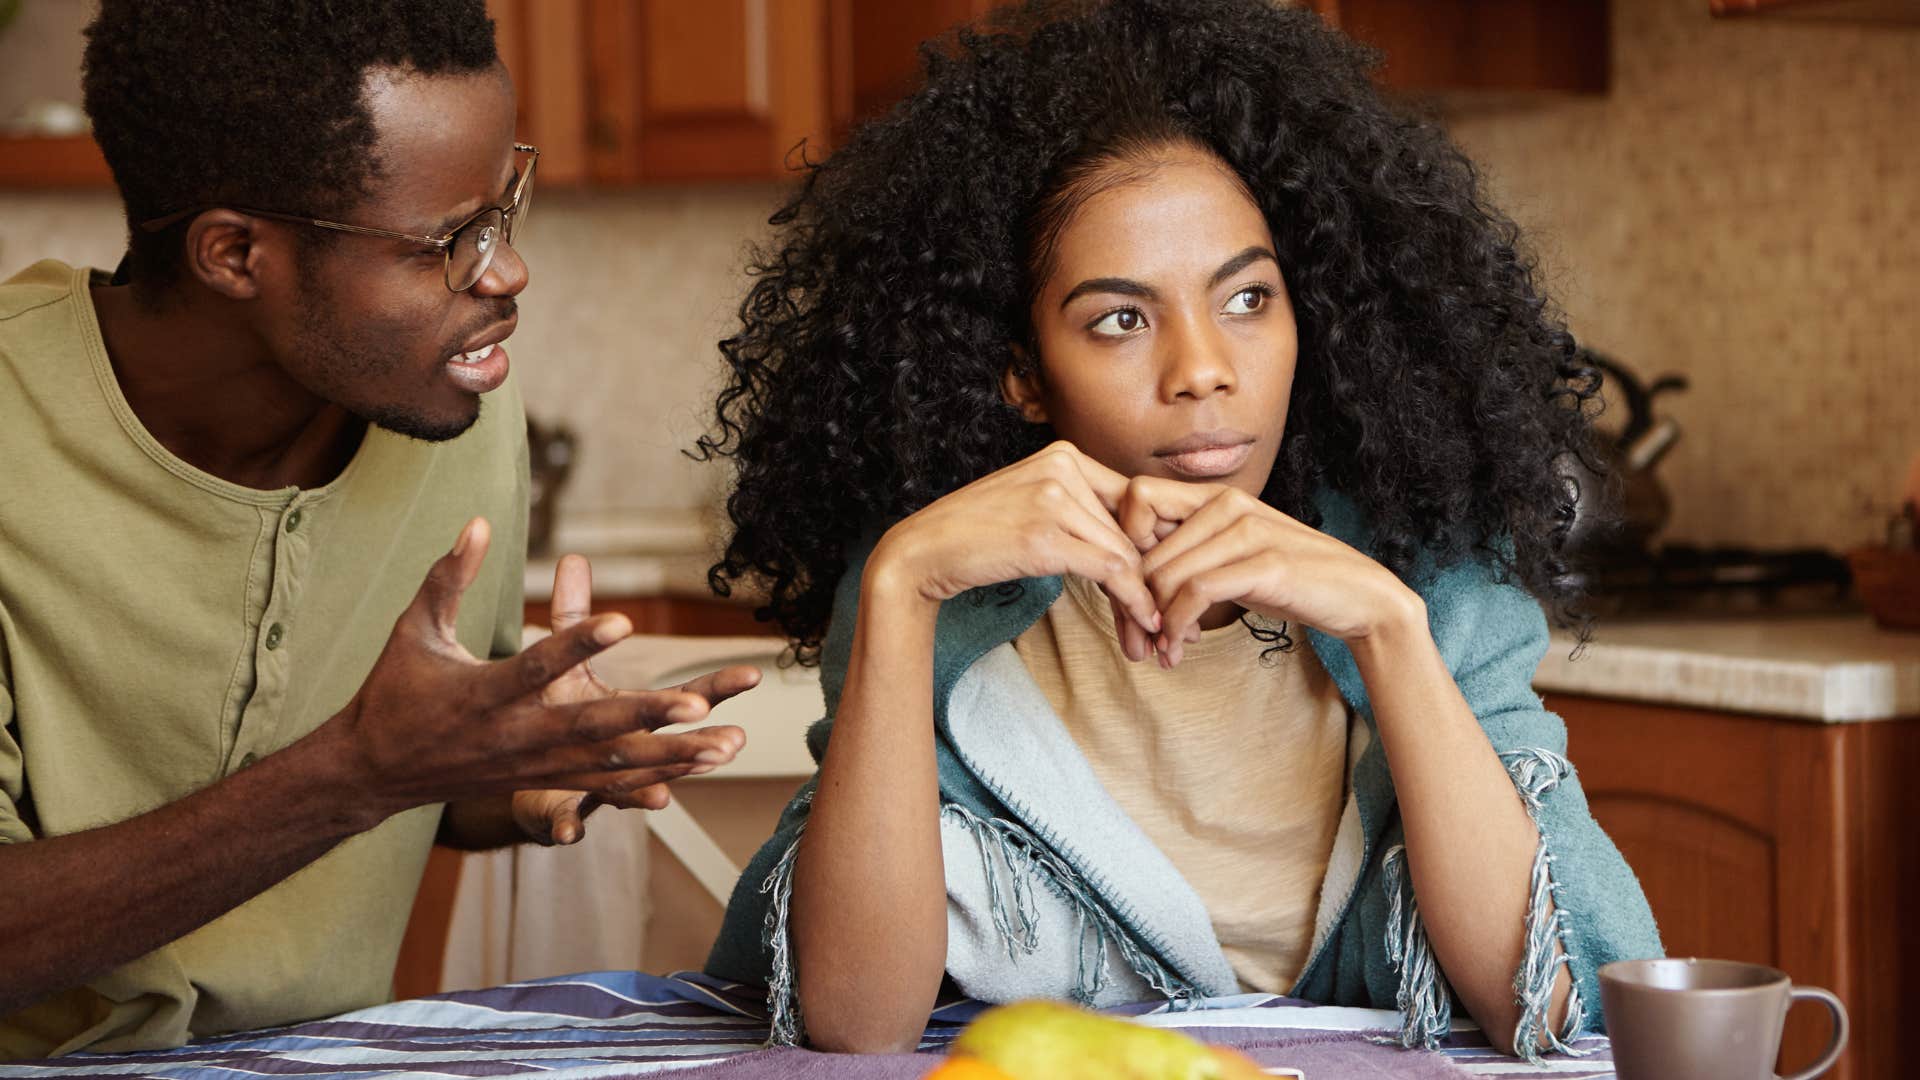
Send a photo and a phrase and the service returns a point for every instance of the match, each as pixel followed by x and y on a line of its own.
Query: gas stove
pixel 1684 579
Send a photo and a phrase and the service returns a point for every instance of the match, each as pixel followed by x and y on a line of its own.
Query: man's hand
pixel 558 816
pixel 432 723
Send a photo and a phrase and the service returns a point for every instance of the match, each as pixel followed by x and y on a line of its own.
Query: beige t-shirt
pixel 1235 769
pixel 161 628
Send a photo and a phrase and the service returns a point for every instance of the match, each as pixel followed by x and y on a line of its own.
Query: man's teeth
pixel 473 357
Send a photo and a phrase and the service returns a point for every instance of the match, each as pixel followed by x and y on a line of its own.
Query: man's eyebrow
pixel 1240 262
pixel 1123 286
pixel 454 221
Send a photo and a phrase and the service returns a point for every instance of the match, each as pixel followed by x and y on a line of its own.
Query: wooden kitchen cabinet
pixel 1888 11
pixel 619 92
pixel 1784 842
pixel 44 162
pixel 697 615
pixel 1435 46
pixel 623 92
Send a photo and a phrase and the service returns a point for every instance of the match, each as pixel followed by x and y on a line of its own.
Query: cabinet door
pixel 626 91
pixel 720 90
pixel 1739 830
pixel 1480 45
pixel 877 54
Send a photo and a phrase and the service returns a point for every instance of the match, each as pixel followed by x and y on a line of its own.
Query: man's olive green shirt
pixel 161 628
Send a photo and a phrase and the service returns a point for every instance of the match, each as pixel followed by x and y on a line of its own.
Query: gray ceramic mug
pixel 1705 1019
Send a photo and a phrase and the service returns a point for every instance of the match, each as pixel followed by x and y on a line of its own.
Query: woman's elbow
pixel 849 1031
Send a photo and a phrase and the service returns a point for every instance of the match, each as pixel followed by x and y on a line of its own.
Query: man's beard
pixel 404 423
pixel 365 354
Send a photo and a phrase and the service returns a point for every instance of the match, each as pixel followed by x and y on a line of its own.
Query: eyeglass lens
pixel 472 250
pixel 473 246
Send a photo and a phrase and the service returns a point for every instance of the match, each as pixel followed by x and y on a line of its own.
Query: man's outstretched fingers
pixel 718 686
pixel 553 656
pixel 447 579
pixel 651 797
pixel 572 591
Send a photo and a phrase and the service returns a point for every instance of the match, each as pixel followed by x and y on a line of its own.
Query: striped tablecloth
pixel 623 1024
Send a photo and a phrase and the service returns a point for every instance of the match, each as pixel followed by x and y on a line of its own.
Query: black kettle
pixel 1629 458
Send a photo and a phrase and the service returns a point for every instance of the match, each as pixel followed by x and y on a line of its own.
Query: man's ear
pixel 1020 387
pixel 223 253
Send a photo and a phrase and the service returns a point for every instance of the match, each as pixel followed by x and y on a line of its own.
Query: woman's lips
pixel 1207 456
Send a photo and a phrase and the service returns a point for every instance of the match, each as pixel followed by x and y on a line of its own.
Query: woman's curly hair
pixel 1436 388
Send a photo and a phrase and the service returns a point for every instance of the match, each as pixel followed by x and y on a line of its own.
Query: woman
pixel 1140 344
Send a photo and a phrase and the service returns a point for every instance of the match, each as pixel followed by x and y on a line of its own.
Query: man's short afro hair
pixel 254 102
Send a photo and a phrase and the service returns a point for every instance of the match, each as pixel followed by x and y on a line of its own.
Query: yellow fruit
pixel 1048 1040
pixel 962 1068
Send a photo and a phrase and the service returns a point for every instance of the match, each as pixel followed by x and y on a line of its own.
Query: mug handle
pixel 1839 1042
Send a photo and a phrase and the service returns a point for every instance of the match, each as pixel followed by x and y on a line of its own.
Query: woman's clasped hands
pixel 1172 556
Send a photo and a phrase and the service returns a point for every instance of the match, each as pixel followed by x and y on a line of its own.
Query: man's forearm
pixel 80 905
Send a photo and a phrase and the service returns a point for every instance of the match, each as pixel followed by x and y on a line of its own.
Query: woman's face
pixel 1166 339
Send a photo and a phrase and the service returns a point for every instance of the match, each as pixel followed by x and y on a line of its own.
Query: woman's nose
pixel 1197 366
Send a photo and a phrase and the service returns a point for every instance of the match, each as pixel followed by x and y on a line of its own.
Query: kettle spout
pixel 1645 451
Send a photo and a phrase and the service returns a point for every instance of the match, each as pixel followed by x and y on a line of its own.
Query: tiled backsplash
pixel 1743 208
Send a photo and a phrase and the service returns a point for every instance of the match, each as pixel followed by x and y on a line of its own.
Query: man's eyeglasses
pixel 468 247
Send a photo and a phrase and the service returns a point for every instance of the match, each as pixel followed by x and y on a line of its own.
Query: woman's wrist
pixel 890 584
pixel 1398 623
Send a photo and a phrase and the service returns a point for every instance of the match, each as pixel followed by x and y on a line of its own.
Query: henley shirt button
pixel 293 521
pixel 273 636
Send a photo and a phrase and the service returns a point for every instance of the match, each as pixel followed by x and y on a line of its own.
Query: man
pixel 230 713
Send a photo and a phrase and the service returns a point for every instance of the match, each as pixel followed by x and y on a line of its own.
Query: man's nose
pixel 506 275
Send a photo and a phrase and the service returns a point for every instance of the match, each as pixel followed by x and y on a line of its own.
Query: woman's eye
pixel 1119 323
pixel 1247 301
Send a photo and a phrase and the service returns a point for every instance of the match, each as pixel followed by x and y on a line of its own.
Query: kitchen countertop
pixel 643 574
pixel 636 553
pixel 1826 669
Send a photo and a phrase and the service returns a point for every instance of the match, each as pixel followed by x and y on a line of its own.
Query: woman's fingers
pixel 1225 510
pixel 1119 574
pixel 1219 583
pixel 1136 643
pixel 1173 581
pixel 1153 507
pixel 1106 486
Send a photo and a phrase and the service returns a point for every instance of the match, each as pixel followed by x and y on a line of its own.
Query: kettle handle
pixel 1639 395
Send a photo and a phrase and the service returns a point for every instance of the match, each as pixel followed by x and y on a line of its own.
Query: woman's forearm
pixel 869 887
pixel 1470 843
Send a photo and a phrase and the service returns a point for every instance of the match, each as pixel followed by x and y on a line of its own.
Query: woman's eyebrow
pixel 1240 262
pixel 1123 286
pixel 1130 287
